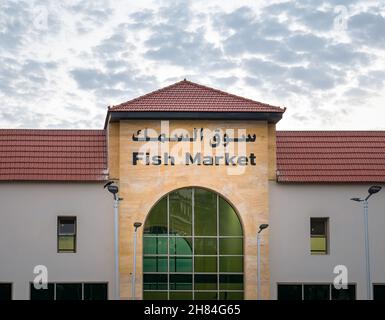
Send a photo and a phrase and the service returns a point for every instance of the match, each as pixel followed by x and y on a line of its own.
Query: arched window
pixel 193 248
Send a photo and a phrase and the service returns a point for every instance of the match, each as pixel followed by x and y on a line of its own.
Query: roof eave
pixel 113 116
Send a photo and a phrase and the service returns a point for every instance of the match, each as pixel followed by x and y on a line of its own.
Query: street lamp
pixel 136 226
pixel 261 227
pixel 112 188
pixel 372 190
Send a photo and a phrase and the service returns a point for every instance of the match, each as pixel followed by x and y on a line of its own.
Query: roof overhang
pixel 114 116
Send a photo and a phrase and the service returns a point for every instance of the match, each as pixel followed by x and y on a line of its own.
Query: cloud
pixel 368 28
pixel 65 70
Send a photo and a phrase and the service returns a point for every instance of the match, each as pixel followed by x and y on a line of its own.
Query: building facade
pixel 201 170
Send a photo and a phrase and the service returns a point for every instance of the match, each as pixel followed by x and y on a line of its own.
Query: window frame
pixel 71 282
pixel 302 284
pixel 327 237
pixel 58 235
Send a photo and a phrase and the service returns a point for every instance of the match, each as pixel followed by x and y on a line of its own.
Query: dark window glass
pixel 229 224
pixel 43 294
pixel 206 296
pixel 95 291
pixel 180 202
pixel 154 264
pixel 5 291
pixel 180 295
pixel 231 295
pixel 180 282
pixel 344 294
pixel 156 222
pixel 205 246
pixel 155 245
pixel 289 292
pixel 205 213
pixel 205 282
pixel 181 245
pixel 231 246
pixel 155 295
pixel 231 282
pixel 231 264
pixel 316 292
pixel 66 238
pixel 68 291
pixel 180 264
pixel 155 281
pixel 319 235
pixel 205 264
pixel 379 292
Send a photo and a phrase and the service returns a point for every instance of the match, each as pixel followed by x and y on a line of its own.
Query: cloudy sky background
pixel 61 65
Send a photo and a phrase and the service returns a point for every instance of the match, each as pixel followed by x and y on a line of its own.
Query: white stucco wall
pixel 291 207
pixel 28 233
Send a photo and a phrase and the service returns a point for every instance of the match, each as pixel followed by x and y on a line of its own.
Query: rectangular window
pixel 379 292
pixel 70 291
pixel 66 234
pixel 319 235
pixel 289 292
pixel 315 292
pixel 5 291
pixel 42 294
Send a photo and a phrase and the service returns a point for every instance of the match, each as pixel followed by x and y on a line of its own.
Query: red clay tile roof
pixel 53 155
pixel 186 96
pixel 331 156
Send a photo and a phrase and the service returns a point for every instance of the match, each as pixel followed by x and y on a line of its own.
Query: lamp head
pixel 374 189
pixel 137 225
pixel 112 188
pixel 262 226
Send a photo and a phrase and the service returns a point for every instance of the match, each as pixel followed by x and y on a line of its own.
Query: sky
pixel 63 62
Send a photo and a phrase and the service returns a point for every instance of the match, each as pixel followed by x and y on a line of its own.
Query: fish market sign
pixel 200 147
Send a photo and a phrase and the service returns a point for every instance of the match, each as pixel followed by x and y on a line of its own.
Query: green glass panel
pixel 66 243
pixel 154 245
pixel 68 291
pixel 316 292
pixel 180 281
pixel 229 224
pixel 205 282
pixel 205 246
pixel 154 295
pixel 206 296
pixel 231 295
pixel 205 213
pixel 181 245
pixel 205 264
pixel 95 291
pixel 156 222
pixel 181 296
pixel 344 294
pixel 231 282
pixel 318 244
pixel 289 292
pixel 231 264
pixel 154 264
pixel 180 202
pixel 43 294
pixel 230 246
pixel 155 281
pixel 180 264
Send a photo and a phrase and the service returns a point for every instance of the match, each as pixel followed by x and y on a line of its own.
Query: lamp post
pixel 372 190
pixel 112 188
pixel 261 227
pixel 136 226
